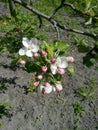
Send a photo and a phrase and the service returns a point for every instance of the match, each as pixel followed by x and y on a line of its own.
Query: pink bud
pixel 53 60
pixel 58 87
pixel 44 54
pixel 44 68
pixel 70 59
pixel 39 76
pixel 60 71
pixel 23 62
pixel 47 84
pixel 35 55
pixel 35 84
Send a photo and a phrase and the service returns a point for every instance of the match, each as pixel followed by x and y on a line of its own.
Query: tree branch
pixel 31 9
pixel 52 20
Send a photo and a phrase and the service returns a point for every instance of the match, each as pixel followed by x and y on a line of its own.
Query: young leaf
pixel 89 21
pixel 49 49
pixel 91 12
pixel 62 46
pixel 70 69
pixel 88 3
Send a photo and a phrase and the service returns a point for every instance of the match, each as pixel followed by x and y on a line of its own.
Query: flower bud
pixel 47 84
pixel 60 71
pixel 23 62
pixel 44 54
pixel 44 68
pixel 58 87
pixel 35 55
pixel 35 84
pixel 70 59
pixel 39 76
pixel 53 60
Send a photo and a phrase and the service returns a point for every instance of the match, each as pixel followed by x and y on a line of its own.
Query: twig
pixel 40 21
pixel 78 11
pixel 59 7
pixel 52 20
pixel 11 7
pixel 57 30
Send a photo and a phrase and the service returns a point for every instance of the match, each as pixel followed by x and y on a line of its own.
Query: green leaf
pixel 91 12
pixel 83 48
pixel 32 67
pixel 88 3
pixel 88 61
pixel 49 49
pixel 70 69
pixel 89 21
pixel 62 46
pixel 58 77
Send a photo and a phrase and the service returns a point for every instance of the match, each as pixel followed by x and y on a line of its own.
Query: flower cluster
pixel 47 62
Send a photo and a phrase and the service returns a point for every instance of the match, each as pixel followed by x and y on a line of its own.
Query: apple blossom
pixel 61 62
pixel 29 47
pixel 44 68
pixel 46 64
pixel 45 89
pixel 48 89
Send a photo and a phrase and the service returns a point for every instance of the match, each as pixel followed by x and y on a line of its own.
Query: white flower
pixel 29 47
pixel 45 89
pixel 61 62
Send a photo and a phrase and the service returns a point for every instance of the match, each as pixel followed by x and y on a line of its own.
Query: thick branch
pixel 51 20
pixel 31 9
pixel 95 36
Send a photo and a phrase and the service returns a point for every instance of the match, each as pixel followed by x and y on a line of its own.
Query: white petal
pixel 35 47
pixel 63 62
pixel 25 42
pixel 53 69
pixel 34 41
pixel 48 89
pixel 22 51
pixel 29 53
pixel 58 59
pixel 54 89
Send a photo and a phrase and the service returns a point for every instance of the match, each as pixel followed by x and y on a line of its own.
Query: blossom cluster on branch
pixel 47 62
